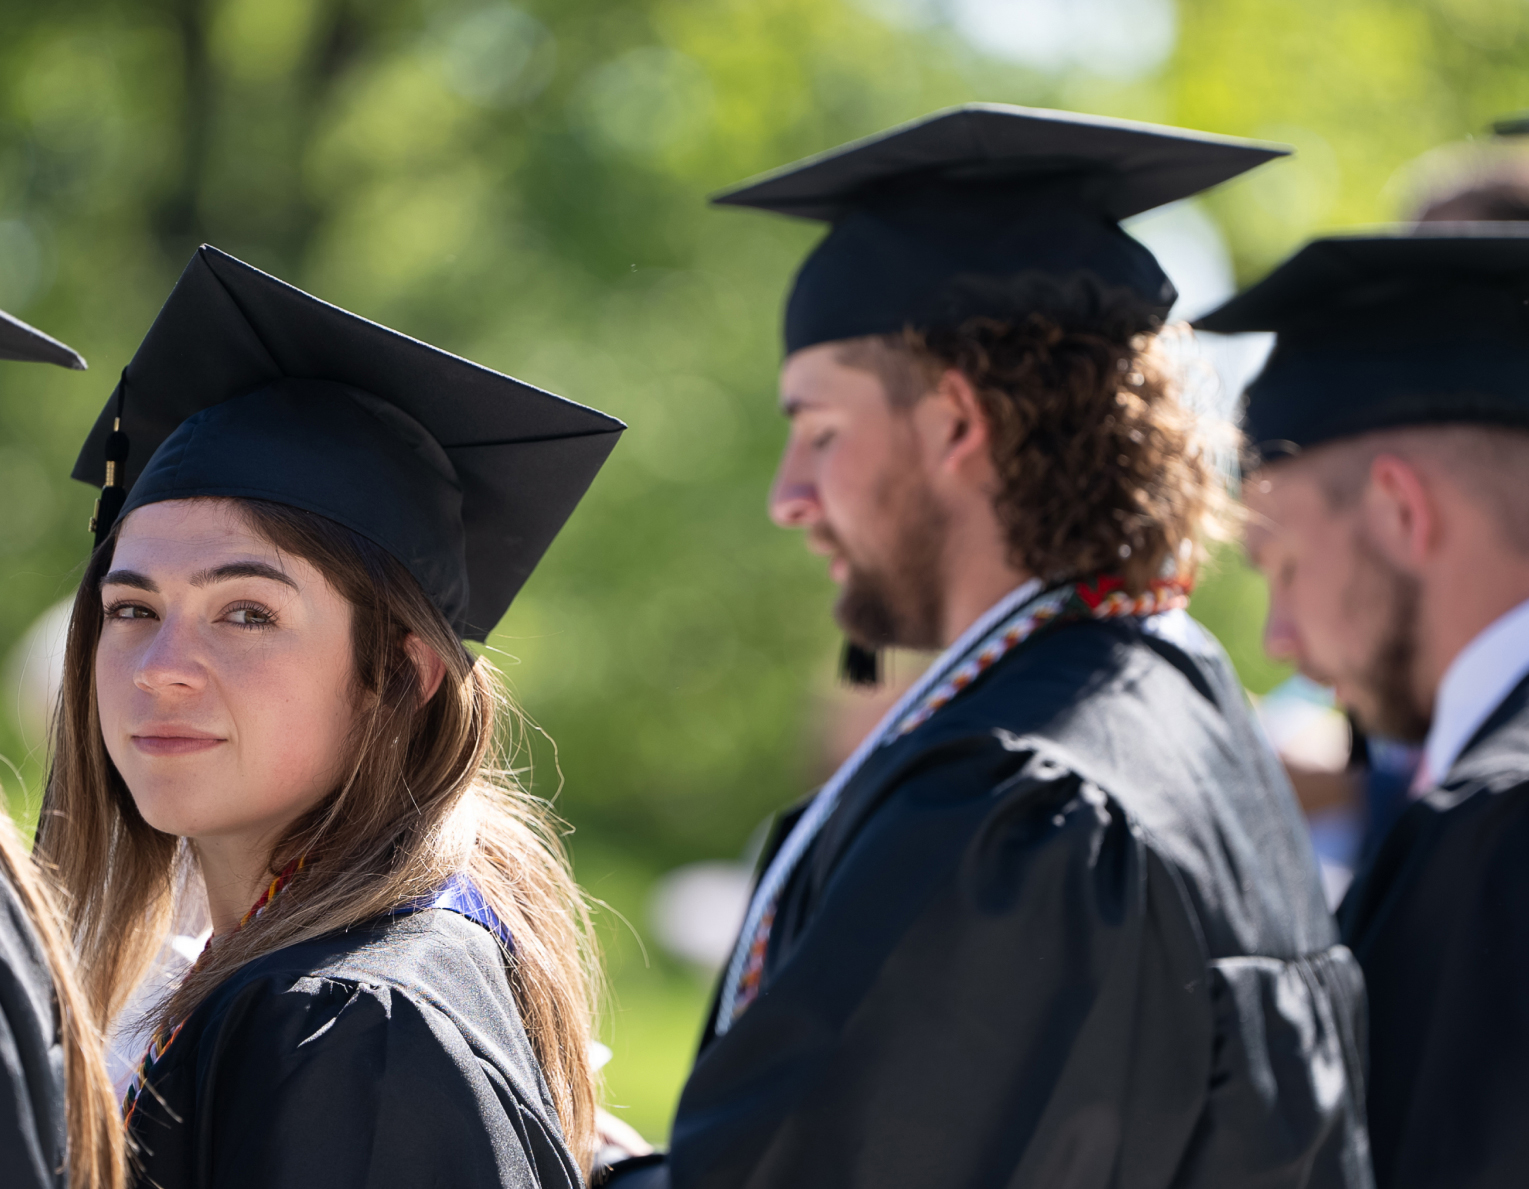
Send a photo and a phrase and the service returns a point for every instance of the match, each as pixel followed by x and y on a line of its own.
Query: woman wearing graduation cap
pixel 58 1124
pixel 266 681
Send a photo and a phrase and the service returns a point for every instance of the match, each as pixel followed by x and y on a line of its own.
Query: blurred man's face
pixel 853 477
pixel 1338 610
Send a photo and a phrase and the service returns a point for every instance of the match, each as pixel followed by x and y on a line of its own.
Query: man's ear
pixel 957 424
pixel 1401 512
pixel 432 669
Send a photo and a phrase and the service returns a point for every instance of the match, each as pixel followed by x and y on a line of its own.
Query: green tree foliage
pixel 524 185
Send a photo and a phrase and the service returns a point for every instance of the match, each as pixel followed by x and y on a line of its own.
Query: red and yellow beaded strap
pixel 164 1037
pixel 1103 598
pixel 753 970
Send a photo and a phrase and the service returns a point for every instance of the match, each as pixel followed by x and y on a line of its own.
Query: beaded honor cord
pixel 1017 616
pixel 165 1036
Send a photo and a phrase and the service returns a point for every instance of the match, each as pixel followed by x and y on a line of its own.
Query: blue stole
pixel 460 895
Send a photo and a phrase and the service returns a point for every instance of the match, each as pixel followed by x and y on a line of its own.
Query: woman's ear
pixel 432 669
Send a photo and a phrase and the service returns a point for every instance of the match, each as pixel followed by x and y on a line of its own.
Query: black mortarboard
pixel 248 387
pixel 30 345
pixel 1427 326
pixel 933 221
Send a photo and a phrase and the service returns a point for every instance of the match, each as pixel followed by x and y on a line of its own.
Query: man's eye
pixel 821 438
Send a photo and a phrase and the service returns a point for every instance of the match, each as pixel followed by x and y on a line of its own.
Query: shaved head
pixel 1490 465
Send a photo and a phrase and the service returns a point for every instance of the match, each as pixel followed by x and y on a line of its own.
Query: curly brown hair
pixel 1103 468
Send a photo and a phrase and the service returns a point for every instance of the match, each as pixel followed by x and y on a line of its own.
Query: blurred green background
pixel 524 184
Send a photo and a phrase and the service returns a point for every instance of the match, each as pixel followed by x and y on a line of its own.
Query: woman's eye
pixel 251 617
pixel 822 438
pixel 127 611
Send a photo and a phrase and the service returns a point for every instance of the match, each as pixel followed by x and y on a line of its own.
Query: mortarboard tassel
pixel 859 666
pixel 113 494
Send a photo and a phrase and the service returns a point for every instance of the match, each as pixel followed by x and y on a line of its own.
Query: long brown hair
pixel 93 1120
pixel 423 796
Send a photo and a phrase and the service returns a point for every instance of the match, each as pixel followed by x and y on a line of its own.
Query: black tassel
pixel 113 493
pixel 859 666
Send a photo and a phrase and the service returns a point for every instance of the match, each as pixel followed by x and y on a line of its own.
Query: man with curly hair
pixel 1056 921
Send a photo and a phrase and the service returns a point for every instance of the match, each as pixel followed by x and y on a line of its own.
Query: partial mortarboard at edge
pixel 27 344
pixel 933 221
pixel 1510 126
pixel 1424 325
pixel 247 387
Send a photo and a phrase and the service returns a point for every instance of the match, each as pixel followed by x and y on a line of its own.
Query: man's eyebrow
pixel 241 569
pixel 790 406
pixel 131 578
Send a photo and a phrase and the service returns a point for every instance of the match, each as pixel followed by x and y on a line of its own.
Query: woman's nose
pixel 172 658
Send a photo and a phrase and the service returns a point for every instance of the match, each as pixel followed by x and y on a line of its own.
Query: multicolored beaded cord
pixel 1019 616
pixel 1104 598
pixel 164 1037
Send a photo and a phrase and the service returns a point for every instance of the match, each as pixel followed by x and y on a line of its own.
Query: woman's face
pixel 223 674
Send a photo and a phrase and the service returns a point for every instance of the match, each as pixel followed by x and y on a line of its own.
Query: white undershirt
pixel 1475 684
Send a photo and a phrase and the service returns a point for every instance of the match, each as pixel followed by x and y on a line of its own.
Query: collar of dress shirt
pixel 1477 680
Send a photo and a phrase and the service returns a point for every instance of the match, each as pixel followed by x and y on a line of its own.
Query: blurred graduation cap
pixel 29 345
pixel 931 222
pixel 1426 325
pixel 247 387
pixel 1514 125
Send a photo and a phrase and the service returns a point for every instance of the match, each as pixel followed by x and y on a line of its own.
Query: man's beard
pixel 1387 680
pixel 900 601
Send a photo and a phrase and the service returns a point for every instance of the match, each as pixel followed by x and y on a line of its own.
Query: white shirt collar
pixel 1475 684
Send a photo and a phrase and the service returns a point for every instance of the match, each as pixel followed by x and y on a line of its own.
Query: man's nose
pixel 1281 640
pixel 793 496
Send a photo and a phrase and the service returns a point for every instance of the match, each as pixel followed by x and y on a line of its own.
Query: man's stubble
pixel 898 600
pixel 1388 679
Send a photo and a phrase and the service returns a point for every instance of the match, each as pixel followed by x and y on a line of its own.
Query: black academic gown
pixel 32 1121
pixel 1440 923
pixel 1069 932
pixel 388 1056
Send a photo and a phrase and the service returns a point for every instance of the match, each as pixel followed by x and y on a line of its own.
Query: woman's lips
pixel 174 745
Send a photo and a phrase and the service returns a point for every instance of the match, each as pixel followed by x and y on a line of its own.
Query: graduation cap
pixel 933 221
pixel 1427 325
pixel 247 387
pixel 29 345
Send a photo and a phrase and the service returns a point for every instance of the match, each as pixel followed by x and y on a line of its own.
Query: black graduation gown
pixel 1067 932
pixel 32 1121
pixel 1440 923
pixel 389 1055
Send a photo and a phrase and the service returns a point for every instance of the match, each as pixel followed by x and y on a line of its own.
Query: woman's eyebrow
pixel 240 569
pixel 131 578
pixel 237 569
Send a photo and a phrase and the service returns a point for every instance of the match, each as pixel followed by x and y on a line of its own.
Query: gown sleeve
pixel 1441 925
pixel 349 1085
pixel 1004 984
pixel 31 1059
